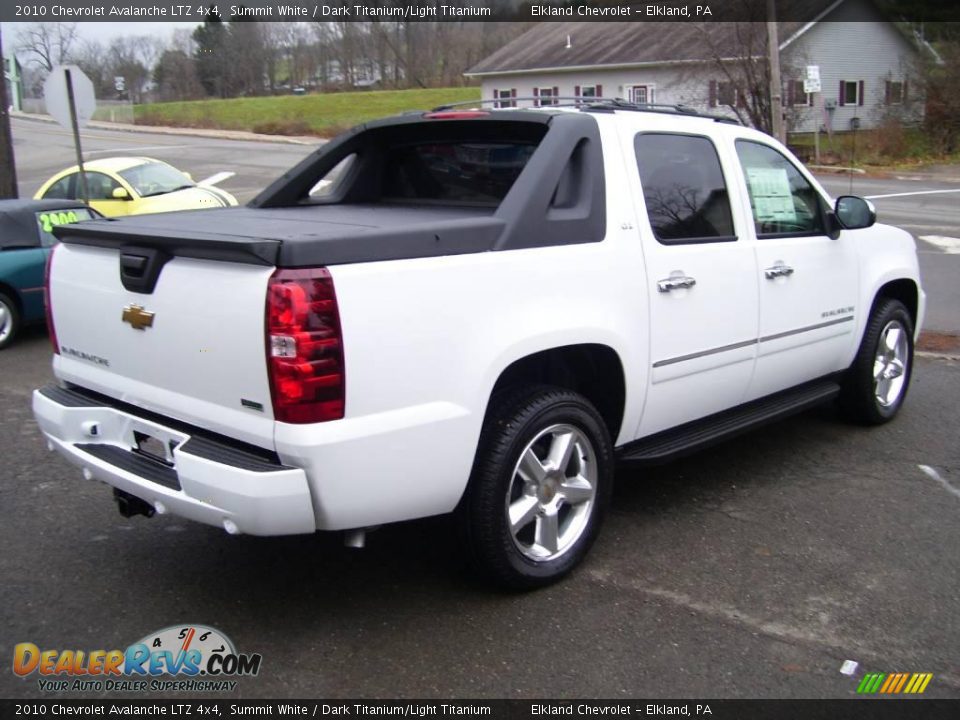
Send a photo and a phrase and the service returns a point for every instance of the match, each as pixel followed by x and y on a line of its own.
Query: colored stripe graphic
pixel 894 683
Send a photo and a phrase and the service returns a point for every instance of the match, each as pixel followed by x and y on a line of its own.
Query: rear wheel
pixel 539 487
pixel 9 321
pixel 876 384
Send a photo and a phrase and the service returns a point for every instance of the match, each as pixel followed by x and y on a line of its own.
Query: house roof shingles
pixel 631 43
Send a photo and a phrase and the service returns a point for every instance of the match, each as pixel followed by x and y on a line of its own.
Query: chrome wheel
pixel 891 363
pixel 6 321
pixel 552 492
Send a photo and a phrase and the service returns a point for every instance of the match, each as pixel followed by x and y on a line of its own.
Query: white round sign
pixel 55 95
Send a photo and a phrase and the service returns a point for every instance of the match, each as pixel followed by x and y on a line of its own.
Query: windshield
pixel 155 178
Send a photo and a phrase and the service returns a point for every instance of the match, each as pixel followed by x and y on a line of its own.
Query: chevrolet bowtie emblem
pixel 137 317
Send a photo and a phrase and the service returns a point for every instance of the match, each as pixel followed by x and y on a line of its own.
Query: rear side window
pixel 683 188
pixel 50 219
pixel 60 190
pixel 454 172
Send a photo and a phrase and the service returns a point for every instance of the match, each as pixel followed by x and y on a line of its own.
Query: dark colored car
pixel 26 236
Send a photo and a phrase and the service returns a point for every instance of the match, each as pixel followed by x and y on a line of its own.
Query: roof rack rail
pixel 595 104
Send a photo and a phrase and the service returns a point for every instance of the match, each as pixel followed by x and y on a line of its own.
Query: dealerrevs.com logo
pixel 199 658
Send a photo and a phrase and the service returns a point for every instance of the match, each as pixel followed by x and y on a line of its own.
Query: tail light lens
pixel 304 346
pixel 48 309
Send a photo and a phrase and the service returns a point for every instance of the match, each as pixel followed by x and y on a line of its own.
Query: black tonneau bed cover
pixel 300 236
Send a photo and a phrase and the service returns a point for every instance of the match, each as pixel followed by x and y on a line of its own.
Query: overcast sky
pixel 104 31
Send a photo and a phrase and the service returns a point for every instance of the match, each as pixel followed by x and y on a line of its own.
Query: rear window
pixel 454 172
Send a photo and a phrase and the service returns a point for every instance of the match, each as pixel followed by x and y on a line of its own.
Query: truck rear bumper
pixel 204 479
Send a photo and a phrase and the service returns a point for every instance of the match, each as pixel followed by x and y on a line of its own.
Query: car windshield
pixel 155 178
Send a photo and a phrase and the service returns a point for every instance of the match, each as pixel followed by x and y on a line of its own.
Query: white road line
pixel 907 194
pixel 949 245
pixel 934 475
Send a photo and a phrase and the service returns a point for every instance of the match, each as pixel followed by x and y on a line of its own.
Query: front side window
pixel 782 200
pixel 683 188
pixel 99 186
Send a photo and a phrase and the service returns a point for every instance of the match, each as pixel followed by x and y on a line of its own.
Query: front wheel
pixel 876 384
pixel 539 487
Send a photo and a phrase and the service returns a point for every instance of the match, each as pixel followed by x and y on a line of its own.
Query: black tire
pixel 9 321
pixel 516 560
pixel 862 397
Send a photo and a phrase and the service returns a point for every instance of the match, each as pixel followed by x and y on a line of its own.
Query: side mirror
pixel 120 193
pixel 854 213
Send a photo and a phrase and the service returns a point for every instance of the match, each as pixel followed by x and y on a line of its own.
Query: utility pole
pixel 776 89
pixel 8 170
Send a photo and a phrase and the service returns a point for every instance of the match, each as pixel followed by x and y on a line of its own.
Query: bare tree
pixel 47 44
pixel 8 178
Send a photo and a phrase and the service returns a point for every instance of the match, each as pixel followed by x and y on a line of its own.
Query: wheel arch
pixel 593 370
pixel 905 290
pixel 12 293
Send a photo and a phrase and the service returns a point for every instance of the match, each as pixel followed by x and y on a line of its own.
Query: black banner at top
pixel 476 10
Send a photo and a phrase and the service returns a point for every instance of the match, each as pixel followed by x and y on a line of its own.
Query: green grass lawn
pixel 316 114
pixel 890 146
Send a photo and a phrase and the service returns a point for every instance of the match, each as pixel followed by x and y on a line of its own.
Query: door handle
pixel 779 269
pixel 675 282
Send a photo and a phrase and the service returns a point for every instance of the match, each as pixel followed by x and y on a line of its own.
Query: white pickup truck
pixel 476 312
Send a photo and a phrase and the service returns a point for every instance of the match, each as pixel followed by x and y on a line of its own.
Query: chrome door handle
pixel 778 270
pixel 675 282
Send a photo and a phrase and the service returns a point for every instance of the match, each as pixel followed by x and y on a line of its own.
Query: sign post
pixel 68 94
pixel 812 85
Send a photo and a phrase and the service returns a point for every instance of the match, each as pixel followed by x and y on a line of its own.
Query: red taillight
pixel 456 114
pixel 304 347
pixel 46 301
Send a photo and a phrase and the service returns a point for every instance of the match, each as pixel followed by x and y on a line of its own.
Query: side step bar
pixel 686 439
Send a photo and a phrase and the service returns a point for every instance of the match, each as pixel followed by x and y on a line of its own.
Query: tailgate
pixel 191 348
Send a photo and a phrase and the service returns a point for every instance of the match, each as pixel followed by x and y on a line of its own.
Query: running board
pixel 677 442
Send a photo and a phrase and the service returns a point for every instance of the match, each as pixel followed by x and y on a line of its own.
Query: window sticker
pixel 772 198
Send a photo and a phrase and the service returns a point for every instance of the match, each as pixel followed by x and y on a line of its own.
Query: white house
pixel 865 64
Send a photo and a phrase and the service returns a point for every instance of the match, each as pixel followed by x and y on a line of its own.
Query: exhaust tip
pixel 130 505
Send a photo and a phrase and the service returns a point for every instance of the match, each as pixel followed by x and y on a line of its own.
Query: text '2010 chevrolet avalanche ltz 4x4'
pixel 472 312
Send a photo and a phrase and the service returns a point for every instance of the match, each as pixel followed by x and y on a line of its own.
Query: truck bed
pixel 306 235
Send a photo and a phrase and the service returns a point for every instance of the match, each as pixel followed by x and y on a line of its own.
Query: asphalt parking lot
pixel 754 569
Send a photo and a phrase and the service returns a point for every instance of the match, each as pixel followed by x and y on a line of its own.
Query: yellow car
pixel 121 186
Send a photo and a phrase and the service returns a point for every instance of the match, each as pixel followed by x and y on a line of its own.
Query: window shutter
pixel 903 93
pixel 860 93
pixel 843 93
pixel 599 90
pixel 496 96
pixel 536 95
pixel 513 96
pixel 791 92
pixel 576 90
pixel 886 92
pixel 556 94
pixel 713 93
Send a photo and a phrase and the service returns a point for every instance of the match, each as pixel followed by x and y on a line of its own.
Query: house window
pixel 546 96
pixel 504 98
pixel 851 92
pixel 589 91
pixel 895 92
pixel 726 93
pixel 797 96
pixel 640 94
